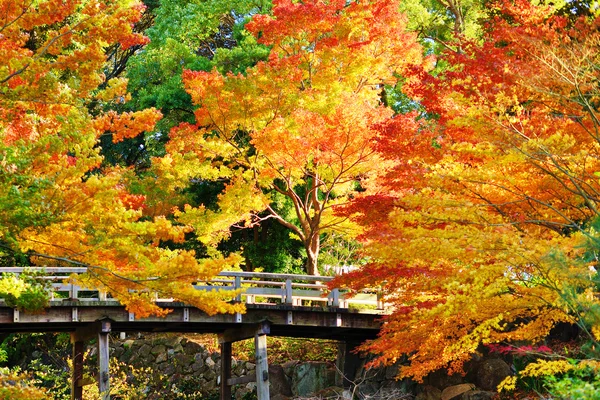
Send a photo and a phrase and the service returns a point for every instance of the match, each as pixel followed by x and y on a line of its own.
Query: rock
pixel 279 383
pixel 391 393
pixel 209 362
pixel 142 351
pixel 243 391
pixel 118 352
pixel 453 392
pixel 133 360
pixel 173 341
pixel 183 360
pixel 191 348
pixel 406 386
pixel 158 349
pixel 333 392
pixel 167 368
pixel 429 392
pixel 441 380
pixel 238 369
pixel 161 358
pixel 196 366
pixel 178 349
pixel 288 368
pixel 210 375
pixel 478 395
pixel 392 371
pixel 210 385
pixel 368 389
pixel 310 377
pixel 490 373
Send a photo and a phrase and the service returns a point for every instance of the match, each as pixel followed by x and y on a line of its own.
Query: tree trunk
pixel 313 245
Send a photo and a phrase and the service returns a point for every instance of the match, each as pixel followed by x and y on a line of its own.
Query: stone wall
pixel 481 378
pixel 179 362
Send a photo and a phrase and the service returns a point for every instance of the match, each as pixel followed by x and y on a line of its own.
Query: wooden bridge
pixel 276 304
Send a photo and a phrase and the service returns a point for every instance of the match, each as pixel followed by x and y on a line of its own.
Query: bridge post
pixel 261 376
pixel 262 366
pixel 77 369
pixel 347 362
pixel 103 360
pixel 225 370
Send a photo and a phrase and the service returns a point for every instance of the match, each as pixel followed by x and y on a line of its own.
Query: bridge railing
pixel 257 288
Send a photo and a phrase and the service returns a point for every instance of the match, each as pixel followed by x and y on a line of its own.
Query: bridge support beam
pixel 262 366
pixel 261 377
pixel 78 339
pixel 225 370
pixel 103 360
pixel 77 371
pixel 348 362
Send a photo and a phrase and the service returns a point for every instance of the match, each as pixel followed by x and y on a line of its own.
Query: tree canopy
pixel 457 140
pixel 302 124
pixel 486 229
pixel 58 204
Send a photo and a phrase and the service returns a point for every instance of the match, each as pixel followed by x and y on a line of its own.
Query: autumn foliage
pixel 477 203
pixel 302 124
pixel 56 204
pixel 483 232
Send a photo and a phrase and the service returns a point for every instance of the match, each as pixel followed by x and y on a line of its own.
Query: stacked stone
pixel 180 363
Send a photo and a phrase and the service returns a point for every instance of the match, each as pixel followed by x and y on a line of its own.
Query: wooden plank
pixel 244 332
pixel 55 314
pixel 268 275
pixel 6 316
pixel 210 288
pixel 225 370
pixel 77 369
pixel 309 286
pixel 313 294
pixel 103 361
pixel 242 380
pixel 288 298
pixel 264 292
pixel 265 283
pixel 351 362
pixel 85 332
pixel 262 367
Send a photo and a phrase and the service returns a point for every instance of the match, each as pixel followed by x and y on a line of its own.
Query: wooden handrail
pixel 257 287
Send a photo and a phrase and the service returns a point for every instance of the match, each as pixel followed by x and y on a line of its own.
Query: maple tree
pixel 300 126
pixel 485 230
pixel 198 35
pixel 56 204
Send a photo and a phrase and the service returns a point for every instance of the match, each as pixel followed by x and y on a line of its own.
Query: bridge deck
pixel 276 304
pixel 295 305
pixel 291 321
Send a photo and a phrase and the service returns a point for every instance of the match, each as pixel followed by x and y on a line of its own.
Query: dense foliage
pixel 157 144
pixel 486 230
pixel 59 205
